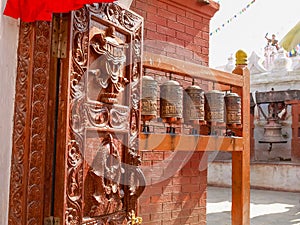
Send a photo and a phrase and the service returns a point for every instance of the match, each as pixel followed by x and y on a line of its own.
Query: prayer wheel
pixel 193 101
pixel 171 101
pixel 233 109
pixel 214 106
pixel 149 98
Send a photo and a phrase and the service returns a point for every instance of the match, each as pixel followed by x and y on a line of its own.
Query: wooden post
pixel 295 142
pixel 240 213
pixel 252 127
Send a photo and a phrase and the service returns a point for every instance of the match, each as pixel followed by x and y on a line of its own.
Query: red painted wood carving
pixel 30 125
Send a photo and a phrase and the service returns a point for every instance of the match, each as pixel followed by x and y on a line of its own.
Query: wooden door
pixel 97 180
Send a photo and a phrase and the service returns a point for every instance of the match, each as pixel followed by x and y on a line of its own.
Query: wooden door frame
pixel 31 185
pixel 30 181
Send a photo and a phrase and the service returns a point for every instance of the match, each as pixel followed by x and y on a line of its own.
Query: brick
pixel 176 10
pixel 200 194
pixel 152 155
pixel 159 180
pixel 184 36
pixel 200 41
pixel 205 51
pixel 182 197
pixel 201 26
pixel 161 198
pixel 186 21
pixel 144 200
pixel 150 26
pixel 175 41
pixel 180 180
pixel 175 25
pixel 171 49
pixel 176 56
pixel 190 219
pixel 167 14
pixel 152 9
pixel 166 31
pixel 205 36
pixel 194 16
pixel 146 217
pixel 184 52
pixel 194 32
pixel 151 208
pixel 170 222
pixel 160 216
pixel 181 213
pixel 170 206
pixel 172 188
pixel 151 190
pixel 198 180
pixel 152 223
pixel 156 19
pixel 161 5
pixel 201 211
pixel 190 188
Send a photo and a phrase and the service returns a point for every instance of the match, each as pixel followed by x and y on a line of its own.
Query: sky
pixel 248 29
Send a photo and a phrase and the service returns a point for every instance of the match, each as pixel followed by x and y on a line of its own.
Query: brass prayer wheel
pixel 149 98
pixel 214 106
pixel 233 108
pixel 193 101
pixel 171 101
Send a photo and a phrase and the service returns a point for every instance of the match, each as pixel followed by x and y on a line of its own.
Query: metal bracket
pixel 59 36
pixel 51 221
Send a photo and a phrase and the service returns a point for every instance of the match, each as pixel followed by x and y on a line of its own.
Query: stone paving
pixel 266 207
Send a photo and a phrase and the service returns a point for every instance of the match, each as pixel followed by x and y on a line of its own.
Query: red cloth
pixel 33 10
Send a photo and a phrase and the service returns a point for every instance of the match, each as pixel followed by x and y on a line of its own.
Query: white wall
pixel 275 176
pixel 8 63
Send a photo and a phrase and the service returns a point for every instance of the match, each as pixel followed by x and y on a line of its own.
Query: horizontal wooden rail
pixel 173 142
pixel 176 66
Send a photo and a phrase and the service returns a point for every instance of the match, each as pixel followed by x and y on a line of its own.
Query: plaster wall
pixel 272 176
pixel 8 64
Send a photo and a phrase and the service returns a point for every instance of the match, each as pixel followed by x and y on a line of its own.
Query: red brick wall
pixel 175 30
pixel 176 187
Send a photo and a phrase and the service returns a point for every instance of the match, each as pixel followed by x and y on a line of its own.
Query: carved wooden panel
pixel 100 116
pixel 30 125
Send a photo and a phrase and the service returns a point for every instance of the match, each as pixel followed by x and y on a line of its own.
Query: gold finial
pixel 241 57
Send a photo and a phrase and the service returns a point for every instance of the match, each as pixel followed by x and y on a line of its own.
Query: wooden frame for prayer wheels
pixel 238 82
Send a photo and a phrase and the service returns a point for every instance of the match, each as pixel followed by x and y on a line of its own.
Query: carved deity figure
pixel 272 41
pixel 107 172
pixel 109 73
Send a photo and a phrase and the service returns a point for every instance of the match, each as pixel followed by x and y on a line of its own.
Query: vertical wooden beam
pixel 252 127
pixel 28 183
pixel 240 213
pixel 295 145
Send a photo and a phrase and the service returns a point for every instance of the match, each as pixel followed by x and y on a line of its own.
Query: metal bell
pixel 233 108
pixel 272 133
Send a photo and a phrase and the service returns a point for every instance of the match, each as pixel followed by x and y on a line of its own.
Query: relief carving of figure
pixel 109 73
pixel 107 172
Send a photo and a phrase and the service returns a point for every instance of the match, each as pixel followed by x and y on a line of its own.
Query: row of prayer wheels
pixel 191 104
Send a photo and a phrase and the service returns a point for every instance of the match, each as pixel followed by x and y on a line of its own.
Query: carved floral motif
pixel 29 145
